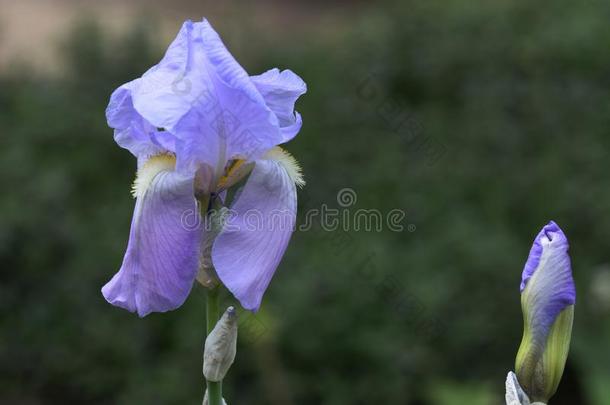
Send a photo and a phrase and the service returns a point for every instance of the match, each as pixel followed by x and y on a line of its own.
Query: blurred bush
pixel 481 120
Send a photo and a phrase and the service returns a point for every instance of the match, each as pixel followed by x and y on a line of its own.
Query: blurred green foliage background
pixel 482 120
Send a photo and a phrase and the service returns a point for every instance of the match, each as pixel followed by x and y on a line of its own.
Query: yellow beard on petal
pixel 290 164
pixel 148 171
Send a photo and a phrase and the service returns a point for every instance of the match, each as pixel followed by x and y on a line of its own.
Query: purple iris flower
pixel 198 124
pixel 548 296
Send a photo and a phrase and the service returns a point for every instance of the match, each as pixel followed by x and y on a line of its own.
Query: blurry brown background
pixel 30 29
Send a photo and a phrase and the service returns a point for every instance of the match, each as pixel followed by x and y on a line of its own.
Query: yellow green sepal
pixel 540 364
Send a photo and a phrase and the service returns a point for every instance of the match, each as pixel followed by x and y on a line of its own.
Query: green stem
pixel 212 310
pixel 212 315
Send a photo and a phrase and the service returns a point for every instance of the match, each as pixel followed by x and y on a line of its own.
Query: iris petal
pixel 131 130
pixel 256 234
pixel 281 89
pixel 202 95
pixel 163 250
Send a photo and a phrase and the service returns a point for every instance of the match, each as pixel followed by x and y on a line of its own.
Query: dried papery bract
pixel 213 222
pixel 514 392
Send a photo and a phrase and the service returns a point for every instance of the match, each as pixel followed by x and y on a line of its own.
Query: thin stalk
pixel 212 315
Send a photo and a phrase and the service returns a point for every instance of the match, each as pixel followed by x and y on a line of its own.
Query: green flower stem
pixel 212 315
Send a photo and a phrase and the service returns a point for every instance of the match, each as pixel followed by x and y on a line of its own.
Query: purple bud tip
pixel 551 236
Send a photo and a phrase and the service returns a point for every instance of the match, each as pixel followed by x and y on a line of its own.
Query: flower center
pixel 236 170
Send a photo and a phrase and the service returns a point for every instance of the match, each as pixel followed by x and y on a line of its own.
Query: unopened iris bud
pixel 220 347
pixel 548 296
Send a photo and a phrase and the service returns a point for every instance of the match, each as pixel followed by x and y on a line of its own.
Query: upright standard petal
pixel 251 245
pixel 548 296
pixel 202 95
pixel 131 130
pixel 162 255
pixel 281 89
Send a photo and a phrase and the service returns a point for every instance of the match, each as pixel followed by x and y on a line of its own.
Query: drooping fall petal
pixel 163 249
pixel 250 247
